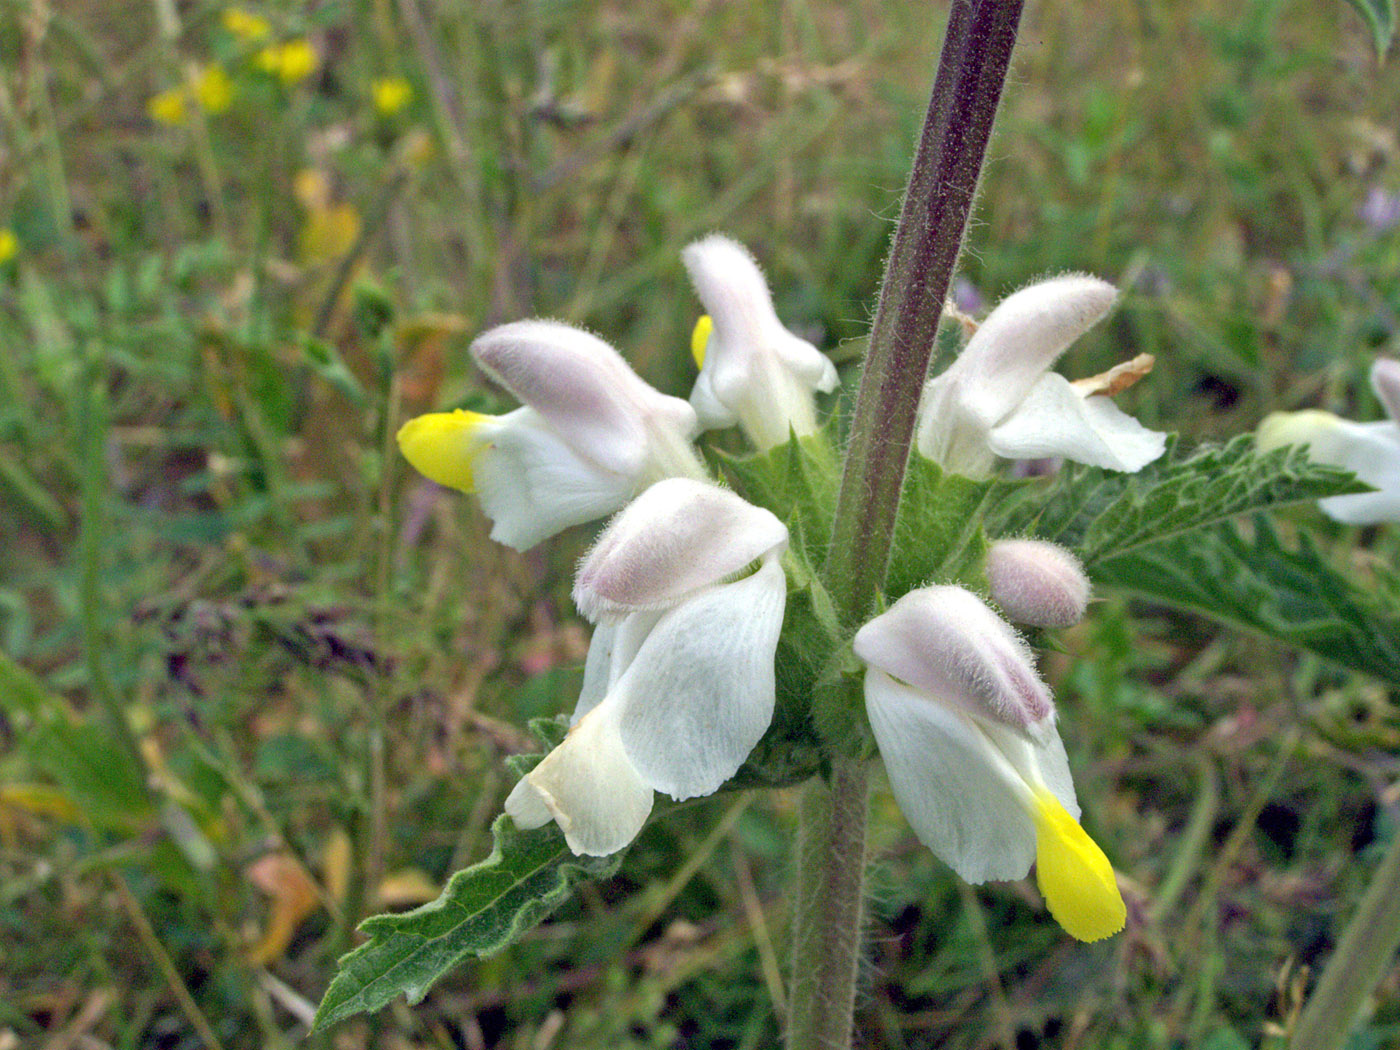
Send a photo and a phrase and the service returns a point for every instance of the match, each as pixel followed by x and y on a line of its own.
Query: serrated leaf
pixel 1103 514
pixel 938 534
pixel 481 910
pixel 797 481
pixel 1255 583
pixel 1379 16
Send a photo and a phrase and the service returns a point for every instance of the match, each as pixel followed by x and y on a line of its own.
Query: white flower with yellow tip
pixel 999 397
pixel 1371 451
pixel 678 687
pixel 966 729
pixel 591 434
pixel 753 371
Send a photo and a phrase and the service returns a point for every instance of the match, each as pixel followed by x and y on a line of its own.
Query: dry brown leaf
pixel 293 894
pixel 1116 379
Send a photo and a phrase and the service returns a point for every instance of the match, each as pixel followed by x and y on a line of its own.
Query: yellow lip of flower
pixel 390 94
pixel 1073 874
pixel 213 89
pixel 700 339
pixel 247 27
pixel 444 445
pixel 169 107
pixel 9 244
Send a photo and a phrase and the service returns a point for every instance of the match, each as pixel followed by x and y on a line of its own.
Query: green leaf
pixel 797 482
pixel 938 534
pixel 1379 16
pixel 1103 514
pixel 1255 583
pixel 482 909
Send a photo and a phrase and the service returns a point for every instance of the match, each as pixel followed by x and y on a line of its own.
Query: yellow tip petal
pixel 1074 875
pixel 700 339
pixel 443 446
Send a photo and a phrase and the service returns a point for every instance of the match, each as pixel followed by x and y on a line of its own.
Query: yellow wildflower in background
pixel 9 244
pixel 291 62
pixel 390 94
pixel 213 89
pixel 248 28
pixel 169 107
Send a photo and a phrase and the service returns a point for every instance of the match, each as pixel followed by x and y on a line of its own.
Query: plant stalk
pixel 1362 958
pixel 830 900
pixel 967 89
pixel 971 72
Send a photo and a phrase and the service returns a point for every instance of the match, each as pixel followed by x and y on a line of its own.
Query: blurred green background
pixel 259 677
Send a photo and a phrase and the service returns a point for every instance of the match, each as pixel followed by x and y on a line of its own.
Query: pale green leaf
pixel 1250 580
pixel 1379 16
pixel 1103 514
pixel 481 910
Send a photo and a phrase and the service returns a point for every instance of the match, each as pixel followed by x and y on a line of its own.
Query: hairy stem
pixel 976 54
pixel 829 905
pixel 1362 958
pixel 831 867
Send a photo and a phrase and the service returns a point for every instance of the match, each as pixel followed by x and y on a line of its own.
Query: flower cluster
pixel 686 585
pixel 1371 451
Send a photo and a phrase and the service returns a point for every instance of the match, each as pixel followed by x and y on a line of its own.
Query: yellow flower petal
pixel 248 28
pixel 390 94
pixel 444 445
pixel 9 245
pixel 700 339
pixel 213 89
pixel 168 107
pixel 1074 875
pixel 298 60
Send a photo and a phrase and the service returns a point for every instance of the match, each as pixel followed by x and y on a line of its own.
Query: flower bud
pixel 1037 583
pixel 946 642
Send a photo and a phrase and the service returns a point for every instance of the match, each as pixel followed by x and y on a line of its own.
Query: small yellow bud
pixel 391 94
pixel 9 244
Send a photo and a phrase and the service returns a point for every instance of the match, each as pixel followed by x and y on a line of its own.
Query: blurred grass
pixel 209 332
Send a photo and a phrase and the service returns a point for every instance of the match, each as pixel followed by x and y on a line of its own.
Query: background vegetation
pixel 260 678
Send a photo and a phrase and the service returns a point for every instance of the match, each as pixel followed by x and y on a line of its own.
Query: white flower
pixel 753 371
pixel 967 733
pixel 591 436
pixel 1000 399
pixel 678 687
pixel 1371 451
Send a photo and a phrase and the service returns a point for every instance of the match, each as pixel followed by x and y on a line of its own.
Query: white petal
pixel 699 694
pixel 1054 420
pixel 588 786
pixel 1022 337
pixel 532 484
pixel 610 652
pixel 1385 381
pixel 583 387
pixel 948 433
pixel 1039 761
pixel 755 370
pixel 949 643
pixel 956 789
pixel 675 538
pixel 1369 450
